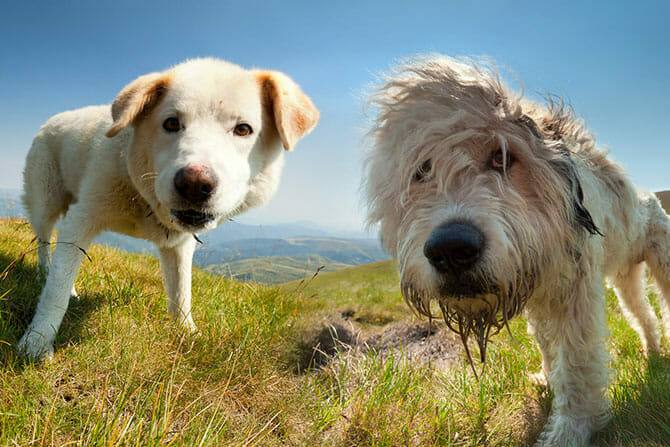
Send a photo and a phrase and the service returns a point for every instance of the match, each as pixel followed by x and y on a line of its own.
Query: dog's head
pixel 475 191
pixel 207 136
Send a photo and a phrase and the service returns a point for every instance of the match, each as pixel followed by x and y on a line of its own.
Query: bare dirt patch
pixel 426 342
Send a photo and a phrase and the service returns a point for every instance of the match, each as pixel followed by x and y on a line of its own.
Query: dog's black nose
pixel 195 183
pixel 454 247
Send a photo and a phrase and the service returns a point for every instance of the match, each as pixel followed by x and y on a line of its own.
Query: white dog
pixel 177 153
pixel 493 204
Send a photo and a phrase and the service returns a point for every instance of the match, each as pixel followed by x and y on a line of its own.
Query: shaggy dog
pixel 178 152
pixel 493 204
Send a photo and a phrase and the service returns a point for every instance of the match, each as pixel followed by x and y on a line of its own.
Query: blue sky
pixel 610 60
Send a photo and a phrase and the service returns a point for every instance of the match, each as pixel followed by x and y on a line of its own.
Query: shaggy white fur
pixel 178 152
pixel 542 215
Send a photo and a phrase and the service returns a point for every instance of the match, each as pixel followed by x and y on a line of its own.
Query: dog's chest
pixel 134 217
pixel 149 228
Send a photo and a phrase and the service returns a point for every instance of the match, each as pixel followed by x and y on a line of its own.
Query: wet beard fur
pixel 478 317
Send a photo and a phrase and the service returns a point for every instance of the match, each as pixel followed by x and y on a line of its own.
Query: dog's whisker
pixel 149 175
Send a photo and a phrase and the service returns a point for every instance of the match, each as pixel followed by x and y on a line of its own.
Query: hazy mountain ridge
pixel 10 203
pixel 275 269
pixel 346 251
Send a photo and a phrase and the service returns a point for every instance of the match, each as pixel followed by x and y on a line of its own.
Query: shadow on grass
pixel 19 291
pixel 640 413
pixel 641 409
pixel 535 414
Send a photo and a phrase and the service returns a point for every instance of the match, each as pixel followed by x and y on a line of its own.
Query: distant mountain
pixel 233 231
pixel 344 251
pixel 10 203
pixel 275 269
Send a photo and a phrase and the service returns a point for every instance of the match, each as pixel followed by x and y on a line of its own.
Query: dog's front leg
pixel 176 263
pixel 579 372
pixel 75 235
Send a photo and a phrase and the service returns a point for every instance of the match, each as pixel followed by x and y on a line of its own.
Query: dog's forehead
pixel 213 84
pixel 447 144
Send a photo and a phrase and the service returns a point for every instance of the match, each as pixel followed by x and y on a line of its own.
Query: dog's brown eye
pixel 421 174
pixel 501 160
pixel 243 130
pixel 172 124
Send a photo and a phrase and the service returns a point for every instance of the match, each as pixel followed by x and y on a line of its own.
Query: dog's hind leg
pixel 73 239
pixel 44 196
pixel 657 255
pixel 630 289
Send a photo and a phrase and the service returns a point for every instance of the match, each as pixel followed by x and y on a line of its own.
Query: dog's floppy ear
pixel 294 113
pixel 136 99
pixel 565 167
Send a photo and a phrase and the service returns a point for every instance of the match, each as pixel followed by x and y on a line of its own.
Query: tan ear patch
pixel 293 111
pixel 137 99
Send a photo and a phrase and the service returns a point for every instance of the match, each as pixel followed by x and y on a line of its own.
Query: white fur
pixel 538 254
pixel 124 181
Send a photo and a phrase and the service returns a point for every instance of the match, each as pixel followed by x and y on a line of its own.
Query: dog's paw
pixel 538 379
pixel 36 345
pixel 565 435
pixel 188 326
pixel 564 431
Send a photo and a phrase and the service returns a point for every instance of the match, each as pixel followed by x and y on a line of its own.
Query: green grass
pixel 122 374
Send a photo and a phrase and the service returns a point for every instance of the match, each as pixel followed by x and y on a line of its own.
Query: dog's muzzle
pixel 195 183
pixel 192 218
pixel 454 249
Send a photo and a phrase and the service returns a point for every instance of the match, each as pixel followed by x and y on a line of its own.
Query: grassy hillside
pixel 274 269
pixel 122 374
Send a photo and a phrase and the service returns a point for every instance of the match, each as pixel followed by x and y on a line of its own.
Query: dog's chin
pixel 192 220
pixel 473 306
pixel 468 299
pixel 460 290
